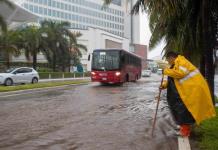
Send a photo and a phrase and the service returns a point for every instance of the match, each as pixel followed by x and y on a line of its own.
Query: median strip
pixel 40 85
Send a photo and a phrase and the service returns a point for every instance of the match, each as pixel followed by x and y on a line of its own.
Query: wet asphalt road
pixel 87 117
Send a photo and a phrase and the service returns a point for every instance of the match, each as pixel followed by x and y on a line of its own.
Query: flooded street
pixel 87 117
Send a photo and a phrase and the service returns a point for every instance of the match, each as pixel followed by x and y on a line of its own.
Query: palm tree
pixel 62 43
pixel 74 46
pixel 187 26
pixel 31 43
pixel 8 45
pixel 3 24
pixel 54 32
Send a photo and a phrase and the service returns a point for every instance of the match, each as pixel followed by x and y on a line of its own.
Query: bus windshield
pixel 106 60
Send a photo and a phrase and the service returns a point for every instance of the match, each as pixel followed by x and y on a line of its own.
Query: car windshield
pixel 106 60
pixel 10 70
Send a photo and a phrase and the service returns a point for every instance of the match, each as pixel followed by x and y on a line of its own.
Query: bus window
pixel 106 60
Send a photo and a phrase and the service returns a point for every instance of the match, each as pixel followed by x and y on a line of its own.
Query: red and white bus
pixel 115 66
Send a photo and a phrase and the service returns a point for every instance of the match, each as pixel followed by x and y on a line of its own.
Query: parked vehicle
pixel 146 73
pixel 115 66
pixel 19 75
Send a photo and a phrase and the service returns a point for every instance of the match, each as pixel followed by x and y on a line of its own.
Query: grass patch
pixel 40 85
pixel 207 134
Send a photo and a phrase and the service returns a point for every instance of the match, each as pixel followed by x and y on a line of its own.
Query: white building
pixel 112 26
pixel 81 13
pixel 135 25
pixel 16 14
pixel 94 38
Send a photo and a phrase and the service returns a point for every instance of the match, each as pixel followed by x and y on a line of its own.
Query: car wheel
pixel 34 80
pixel 8 82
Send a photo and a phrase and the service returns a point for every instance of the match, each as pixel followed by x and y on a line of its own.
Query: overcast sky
pixel 145 35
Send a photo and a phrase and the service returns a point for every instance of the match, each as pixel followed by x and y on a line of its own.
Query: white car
pixel 146 73
pixel 19 75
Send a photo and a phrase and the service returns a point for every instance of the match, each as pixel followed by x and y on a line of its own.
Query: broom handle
pixel 158 101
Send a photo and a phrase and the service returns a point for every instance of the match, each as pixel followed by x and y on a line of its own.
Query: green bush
pixel 68 75
pixel 43 69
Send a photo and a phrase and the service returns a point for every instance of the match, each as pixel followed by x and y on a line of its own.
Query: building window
pixel 62 6
pixel 36 9
pixel 49 12
pixel 45 11
pixel 62 15
pixel 40 10
pixel 45 2
pixel 49 2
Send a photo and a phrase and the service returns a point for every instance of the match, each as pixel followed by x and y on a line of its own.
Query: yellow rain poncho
pixel 192 88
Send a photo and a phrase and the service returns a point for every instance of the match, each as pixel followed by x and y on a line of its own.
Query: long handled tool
pixel 158 101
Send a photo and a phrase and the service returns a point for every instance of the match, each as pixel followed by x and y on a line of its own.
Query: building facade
pixel 112 26
pixel 102 40
pixel 81 13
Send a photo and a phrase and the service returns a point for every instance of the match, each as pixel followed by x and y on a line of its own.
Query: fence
pixel 58 75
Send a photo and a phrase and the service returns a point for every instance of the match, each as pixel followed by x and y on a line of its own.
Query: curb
pixel 183 143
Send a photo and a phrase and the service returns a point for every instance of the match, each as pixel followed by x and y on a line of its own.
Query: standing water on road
pixel 88 117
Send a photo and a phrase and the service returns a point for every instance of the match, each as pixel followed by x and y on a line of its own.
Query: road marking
pixel 183 143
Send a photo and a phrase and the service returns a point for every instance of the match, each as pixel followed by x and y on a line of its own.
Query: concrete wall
pixel 112 44
pixel 142 51
pixel 40 58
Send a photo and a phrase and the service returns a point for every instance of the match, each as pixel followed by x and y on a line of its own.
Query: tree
pixel 61 44
pixel 189 27
pixel 31 43
pixel 75 47
pixel 3 24
pixel 8 45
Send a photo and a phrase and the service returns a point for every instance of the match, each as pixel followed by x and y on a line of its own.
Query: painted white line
pixel 183 143
pixel 28 91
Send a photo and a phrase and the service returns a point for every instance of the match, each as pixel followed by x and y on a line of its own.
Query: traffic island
pixel 41 85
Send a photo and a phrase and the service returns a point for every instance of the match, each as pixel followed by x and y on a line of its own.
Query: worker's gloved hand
pixel 163 85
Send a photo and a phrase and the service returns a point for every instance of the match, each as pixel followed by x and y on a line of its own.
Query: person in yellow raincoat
pixel 188 94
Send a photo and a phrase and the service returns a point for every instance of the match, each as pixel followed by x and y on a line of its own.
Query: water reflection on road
pixel 88 117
